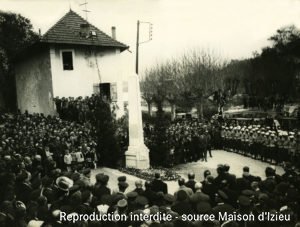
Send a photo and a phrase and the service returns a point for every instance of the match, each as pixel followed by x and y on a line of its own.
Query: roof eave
pixel 121 47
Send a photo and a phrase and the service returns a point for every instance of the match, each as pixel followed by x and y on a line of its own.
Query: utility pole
pixel 138 42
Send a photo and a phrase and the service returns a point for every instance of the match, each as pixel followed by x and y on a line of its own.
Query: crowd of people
pixel 78 109
pixel 187 140
pixel 34 195
pixel 191 140
pixel 49 140
pixel 46 164
pixel 262 142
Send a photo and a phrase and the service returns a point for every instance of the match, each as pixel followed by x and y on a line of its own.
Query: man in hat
pixel 131 196
pixel 122 208
pixel 23 186
pixel 100 188
pixel 182 205
pixel 158 185
pixel 122 185
pixel 222 205
pixel 268 185
pixel 169 200
pixel 221 175
pixel 149 193
pixel 61 192
pixel 120 180
pixel 141 202
pixel 85 207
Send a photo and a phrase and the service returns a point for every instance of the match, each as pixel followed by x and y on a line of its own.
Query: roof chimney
pixel 113 32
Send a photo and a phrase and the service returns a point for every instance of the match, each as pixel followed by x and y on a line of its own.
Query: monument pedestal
pixel 137 155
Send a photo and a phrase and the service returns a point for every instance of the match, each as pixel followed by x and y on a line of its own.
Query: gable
pixel 68 30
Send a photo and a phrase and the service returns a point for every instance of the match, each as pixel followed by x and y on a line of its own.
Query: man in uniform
pixel 292 147
pixel 223 138
pixel 273 139
pixel 278 147
pixel 254 146
pixel 243 140
pixel 286 147
pixel 265 146
pixel 208 142
pixel 298 149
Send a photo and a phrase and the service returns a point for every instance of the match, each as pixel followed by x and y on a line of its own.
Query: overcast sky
pixel 233 29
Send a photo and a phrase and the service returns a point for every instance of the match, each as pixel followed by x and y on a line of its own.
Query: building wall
pixel 34 83
pixel 90 67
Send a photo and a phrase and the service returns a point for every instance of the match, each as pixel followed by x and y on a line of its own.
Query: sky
pixel 231 29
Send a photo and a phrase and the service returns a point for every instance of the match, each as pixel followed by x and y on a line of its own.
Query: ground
pixel 236 162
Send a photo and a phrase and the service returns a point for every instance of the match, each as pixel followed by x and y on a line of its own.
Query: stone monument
pixel 137 155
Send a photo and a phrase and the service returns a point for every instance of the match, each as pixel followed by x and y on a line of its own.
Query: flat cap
pixel 244 201
pixel 248 193
pixel 64 183
pixel 141 200
pixel 222 195
pixel 103 178
pixel 122 203
pixel 203 207
pixel 86 171
pixel 169 198
pixel 122 178
pixel 181 195
pixel 132 194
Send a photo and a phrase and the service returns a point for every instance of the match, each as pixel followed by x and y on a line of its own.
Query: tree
pixel 187 80
pixel 147 88
pixel 160 84
pixel 274 71
pixel 171 79
pixel 108 146
pixel 201 70
pixel 15 34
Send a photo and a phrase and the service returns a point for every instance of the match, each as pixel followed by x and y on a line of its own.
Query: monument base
pixel 137 157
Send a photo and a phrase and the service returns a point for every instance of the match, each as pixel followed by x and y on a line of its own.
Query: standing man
pixel 208 142
pixel 158 185
pixel 191 182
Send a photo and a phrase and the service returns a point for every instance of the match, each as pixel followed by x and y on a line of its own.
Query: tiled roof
pixel 67 31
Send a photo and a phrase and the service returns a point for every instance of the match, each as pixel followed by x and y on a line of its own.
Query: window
pixel 105 91
pixel 67 57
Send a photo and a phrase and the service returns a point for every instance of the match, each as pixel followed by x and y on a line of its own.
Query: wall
pixel 90 66
pixel 34 83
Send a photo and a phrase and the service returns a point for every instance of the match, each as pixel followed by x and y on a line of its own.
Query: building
pixel 73 58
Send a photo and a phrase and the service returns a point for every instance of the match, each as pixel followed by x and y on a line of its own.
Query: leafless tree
pixel 193 77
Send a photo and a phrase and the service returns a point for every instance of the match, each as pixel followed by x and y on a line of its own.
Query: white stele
pixel 137 155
